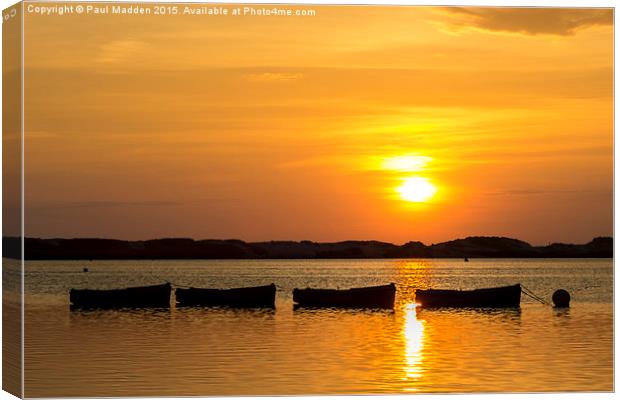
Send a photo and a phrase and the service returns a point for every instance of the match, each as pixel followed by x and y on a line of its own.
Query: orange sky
pixel 263 128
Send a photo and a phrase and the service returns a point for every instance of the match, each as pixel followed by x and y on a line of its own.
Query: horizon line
pixel 311 241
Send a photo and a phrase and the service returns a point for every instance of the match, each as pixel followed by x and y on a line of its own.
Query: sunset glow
pixel 405 163
pixel 500 118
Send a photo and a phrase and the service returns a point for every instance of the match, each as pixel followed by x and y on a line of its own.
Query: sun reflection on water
pixel 413 332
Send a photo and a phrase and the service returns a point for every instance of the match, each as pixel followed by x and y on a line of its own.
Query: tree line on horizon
pixel 182 248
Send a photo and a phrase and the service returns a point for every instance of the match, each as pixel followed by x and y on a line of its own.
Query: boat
pixel 365 297
pixel 245 297
pixel 143 296
pixel 506 296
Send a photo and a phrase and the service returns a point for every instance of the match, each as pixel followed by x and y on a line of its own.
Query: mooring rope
pixel 524 290
pixel 533 295
pixel 178 285
pixel 172 283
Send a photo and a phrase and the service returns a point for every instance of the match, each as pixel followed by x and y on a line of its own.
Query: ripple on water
pixel 196 351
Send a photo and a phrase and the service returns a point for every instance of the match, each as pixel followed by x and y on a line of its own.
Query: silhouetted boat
pixel 247 297
pixel 367 297
pixel 143 296
pixel 506 296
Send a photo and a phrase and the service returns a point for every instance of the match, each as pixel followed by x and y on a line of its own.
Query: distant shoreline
pixel 189 249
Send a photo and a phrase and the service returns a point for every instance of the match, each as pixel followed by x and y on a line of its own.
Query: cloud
pixel 119 50
pixel 530 21
pixel 537 192
pixel 106 204
pixel 102 204
pixel 274 76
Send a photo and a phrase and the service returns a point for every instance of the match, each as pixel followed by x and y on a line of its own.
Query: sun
pixel 416 190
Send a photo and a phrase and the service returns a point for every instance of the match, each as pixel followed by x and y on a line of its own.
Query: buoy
pixel 85 269
pixel 561 298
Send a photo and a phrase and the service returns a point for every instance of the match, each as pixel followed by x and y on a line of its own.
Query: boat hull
pixel 157 296
pixel 506 296
pixel 248 297
pixel 370 297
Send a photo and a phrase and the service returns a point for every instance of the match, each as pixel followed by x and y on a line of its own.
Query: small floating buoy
pixel 466 259
pixel 85 269
pixel 561 298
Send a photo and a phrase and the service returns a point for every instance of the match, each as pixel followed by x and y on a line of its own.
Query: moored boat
pixel 132 297
pixel 246 297
pixel 506 296
pixel 366 297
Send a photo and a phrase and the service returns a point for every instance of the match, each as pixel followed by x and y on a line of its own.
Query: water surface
pixel 197 351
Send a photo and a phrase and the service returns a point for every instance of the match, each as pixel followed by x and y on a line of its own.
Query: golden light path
pixel 413 332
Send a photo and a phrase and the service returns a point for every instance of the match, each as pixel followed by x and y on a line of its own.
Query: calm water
pixel 226 352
